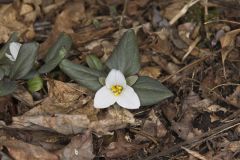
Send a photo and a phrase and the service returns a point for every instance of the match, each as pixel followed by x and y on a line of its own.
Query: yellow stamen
pixel 117 90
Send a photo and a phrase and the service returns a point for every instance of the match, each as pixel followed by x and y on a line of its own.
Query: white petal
pixel 128 98
pixel 104 98
pixel 9 56
pixel 14 49
pixel 115 77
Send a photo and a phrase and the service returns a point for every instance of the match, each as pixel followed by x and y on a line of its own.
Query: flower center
pixel 117 90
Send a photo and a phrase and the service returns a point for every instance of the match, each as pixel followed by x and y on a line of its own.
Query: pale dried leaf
pixel 149 71
pixel 112 120
pixel 23 151
pixel 121 148
pixel 61 123
pixel 9 23
pixel 80 148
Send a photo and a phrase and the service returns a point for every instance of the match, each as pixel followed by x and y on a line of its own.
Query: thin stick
pixel 188 66
pixel 198 140
pixel 183 11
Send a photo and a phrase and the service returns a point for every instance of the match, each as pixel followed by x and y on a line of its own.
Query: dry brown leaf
pixel 121 148
pixel 229 38
pixel 61 123
pixel 173 9
pixel 195 154
pixel 153 72
pixel 65 21
pixel 153 127
pixel 69 123
pixel 184 127
pixel 9 23
pixel 23 96
pixel 80 148
pixel 134 6
pixel 88 33
pixel 25 9
pixel 235 97
pixel 115 118
pixel 23 151
pixel 160 43
pixel 63 98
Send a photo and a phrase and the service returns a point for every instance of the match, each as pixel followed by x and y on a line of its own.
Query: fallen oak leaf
pixel 23 151
pixel 112 120
pixel 61 123
pixel 80 148
pixel 121 148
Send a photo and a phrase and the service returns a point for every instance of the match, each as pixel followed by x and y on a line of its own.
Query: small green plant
pixel 17 62
pixel 117 80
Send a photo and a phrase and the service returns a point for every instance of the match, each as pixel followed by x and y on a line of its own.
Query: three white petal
pixel 105 97
pixel 14 48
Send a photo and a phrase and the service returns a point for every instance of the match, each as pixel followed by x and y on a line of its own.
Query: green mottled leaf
pixel 94 62
pixel 150 91
pixel 83 75
pixel 125 56
pixel 35 84
pixel 7 87
pixel 56 53
pixel 25 60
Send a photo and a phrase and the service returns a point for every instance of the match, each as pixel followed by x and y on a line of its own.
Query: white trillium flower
pixel 14 48
pixel 116 90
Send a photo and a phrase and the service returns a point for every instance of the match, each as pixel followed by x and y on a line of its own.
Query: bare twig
pixel 183 11
pixel 198 140
pixel 191 47
pixel 188 66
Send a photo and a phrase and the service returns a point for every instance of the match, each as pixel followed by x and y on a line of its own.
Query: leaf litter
pixel 191 46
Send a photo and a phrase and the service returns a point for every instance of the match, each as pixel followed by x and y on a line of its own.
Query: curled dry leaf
pixel 134 6
pixel 80 148
pixel 153 127
pixel 121 148
pixel 115 118
pixel 173 9
pixel 23 96
pixel 23 151
pixel 63 98
pixel 153 72
pixel 184 127
pixel 235 97
pixel 61 123
pixel 234 146
pixel 69 123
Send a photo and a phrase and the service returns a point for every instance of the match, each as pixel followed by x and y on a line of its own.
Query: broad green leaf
pixel 5 48
pixel 35 84
pixel 30 75
pixel 25 60
pixel 83 75
pixel 2 73
pixel 94 62
pixel 56 53
pixel 150 91
pixel 7 87
pixel 131 80
pixel 5 70
pixel 125 56
pixel 50 65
